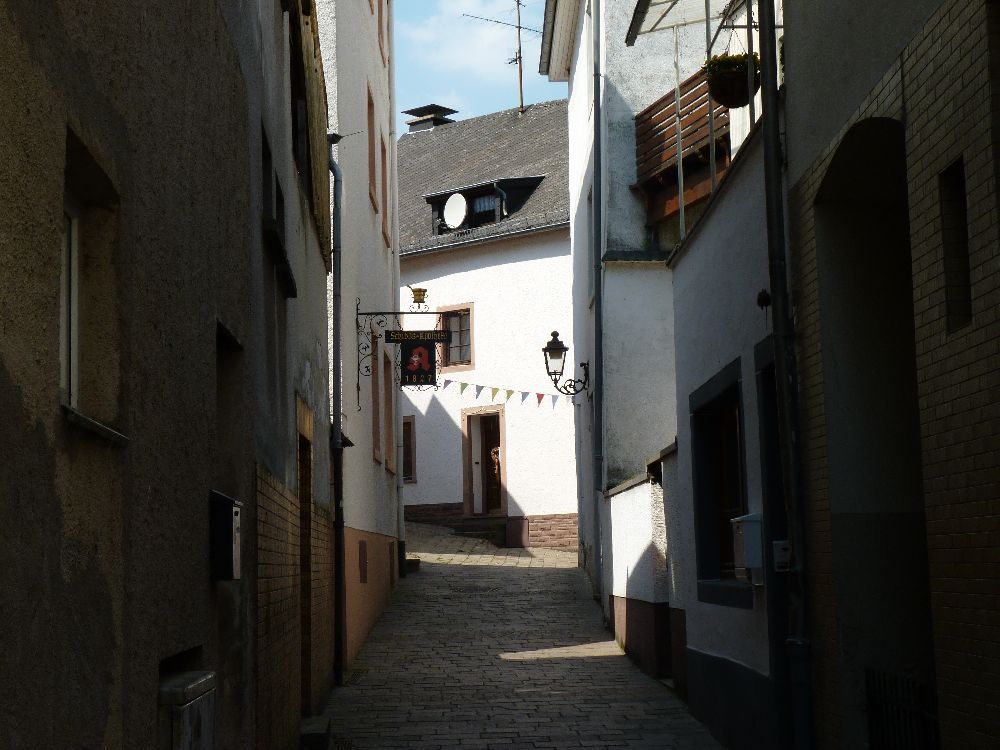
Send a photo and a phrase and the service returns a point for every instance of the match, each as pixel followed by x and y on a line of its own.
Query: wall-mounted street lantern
pixel 555 363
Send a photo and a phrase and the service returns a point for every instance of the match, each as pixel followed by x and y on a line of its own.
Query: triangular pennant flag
pixel 555 399
pixel 479 389
pixel 495 392
pixel 509 394
pixel 447 383
pixel 462 387
pixel 524 396
pixel 539 396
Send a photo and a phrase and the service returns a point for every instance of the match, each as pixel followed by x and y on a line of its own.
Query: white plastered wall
pixel 354 62
pixel 717 320
pixel 520 292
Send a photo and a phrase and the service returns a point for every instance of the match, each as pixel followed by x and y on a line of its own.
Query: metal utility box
pixel 748 548
pixel 224 536
pixel 187 711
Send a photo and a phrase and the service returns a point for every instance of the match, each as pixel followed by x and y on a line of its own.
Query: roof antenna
pixel 517 57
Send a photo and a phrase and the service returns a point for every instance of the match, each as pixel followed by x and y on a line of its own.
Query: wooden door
pixel 489 425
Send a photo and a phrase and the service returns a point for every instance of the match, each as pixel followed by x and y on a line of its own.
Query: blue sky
pixel 444 58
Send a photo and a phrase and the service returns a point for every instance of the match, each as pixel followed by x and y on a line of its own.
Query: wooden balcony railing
pixel 656 129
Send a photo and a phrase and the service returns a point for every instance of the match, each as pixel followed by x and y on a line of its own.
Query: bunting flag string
pixel 507 393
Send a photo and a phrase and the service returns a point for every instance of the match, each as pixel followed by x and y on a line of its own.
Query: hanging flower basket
pixel 727 79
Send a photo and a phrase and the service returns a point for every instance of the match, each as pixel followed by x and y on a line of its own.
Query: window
pixel 458 353
pixel 89 374
pixel 385 196
pixel 297 86
pixel 409 451
pixel 372 194
pixel 719 487
pixel 390 413
pixel 955 241
pixel 376 397
pixel 69 339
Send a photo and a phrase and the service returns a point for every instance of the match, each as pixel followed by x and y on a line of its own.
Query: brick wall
pixel 322 605
pixel 558 531
pixel 944 89
pixel 279 622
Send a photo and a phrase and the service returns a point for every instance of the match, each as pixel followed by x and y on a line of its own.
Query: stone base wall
pixel 557 531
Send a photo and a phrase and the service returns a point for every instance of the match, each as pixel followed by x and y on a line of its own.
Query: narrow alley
pixel 500 648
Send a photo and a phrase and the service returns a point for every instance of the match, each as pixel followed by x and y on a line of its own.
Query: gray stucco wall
pixel 834 54
pixel 104 547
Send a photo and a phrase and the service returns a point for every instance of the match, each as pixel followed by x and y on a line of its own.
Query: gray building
pixel 164 237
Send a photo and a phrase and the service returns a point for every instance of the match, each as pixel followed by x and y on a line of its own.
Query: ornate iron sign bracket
pixel 369 324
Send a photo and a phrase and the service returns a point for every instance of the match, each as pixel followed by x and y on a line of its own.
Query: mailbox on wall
pixel 224 536
pixel 748 548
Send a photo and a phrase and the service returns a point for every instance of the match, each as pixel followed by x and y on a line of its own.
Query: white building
pixel 357 41
pixel 493 445
pixel 728 603
pixel 623 311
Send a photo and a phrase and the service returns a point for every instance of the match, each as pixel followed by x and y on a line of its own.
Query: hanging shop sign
pixel 418 354
pixel 403 337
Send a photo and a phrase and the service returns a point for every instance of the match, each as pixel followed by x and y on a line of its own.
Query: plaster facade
pixel 639 408
pixel 154 130
pixel 519 290
pixel 360 72
pixel 718 273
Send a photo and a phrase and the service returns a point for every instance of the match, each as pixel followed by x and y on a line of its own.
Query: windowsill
pixel 726 592
pixel 464 367
pixel 81 420
pixel 406 480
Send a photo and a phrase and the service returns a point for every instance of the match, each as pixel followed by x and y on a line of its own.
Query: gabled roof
pixel 500 146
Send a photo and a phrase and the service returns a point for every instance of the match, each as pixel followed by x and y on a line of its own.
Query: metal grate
pixel 355 676
pixel 901 714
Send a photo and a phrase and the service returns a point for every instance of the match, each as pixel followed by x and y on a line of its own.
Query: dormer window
pixel 483 203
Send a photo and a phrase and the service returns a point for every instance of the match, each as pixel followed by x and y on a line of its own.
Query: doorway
pixel 879 543
pixel 484 460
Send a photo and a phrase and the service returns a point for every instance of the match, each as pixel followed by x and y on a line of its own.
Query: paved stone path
pixel 495 648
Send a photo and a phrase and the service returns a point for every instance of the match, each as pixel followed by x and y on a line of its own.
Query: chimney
pixel 427 116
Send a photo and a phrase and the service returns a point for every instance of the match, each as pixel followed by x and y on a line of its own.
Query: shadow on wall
pixel 57 626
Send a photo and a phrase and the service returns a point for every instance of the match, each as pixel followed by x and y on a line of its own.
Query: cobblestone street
pixel 497 648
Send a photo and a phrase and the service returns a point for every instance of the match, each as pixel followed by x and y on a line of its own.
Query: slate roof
pixel 491 147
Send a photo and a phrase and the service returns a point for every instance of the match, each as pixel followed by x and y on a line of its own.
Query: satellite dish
pixel 455 209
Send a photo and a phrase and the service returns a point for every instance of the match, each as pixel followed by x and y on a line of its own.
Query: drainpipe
pixel 798 646
pixel 598 431
pixel 336 431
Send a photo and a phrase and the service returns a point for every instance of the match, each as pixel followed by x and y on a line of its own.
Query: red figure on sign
pixel 419 359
